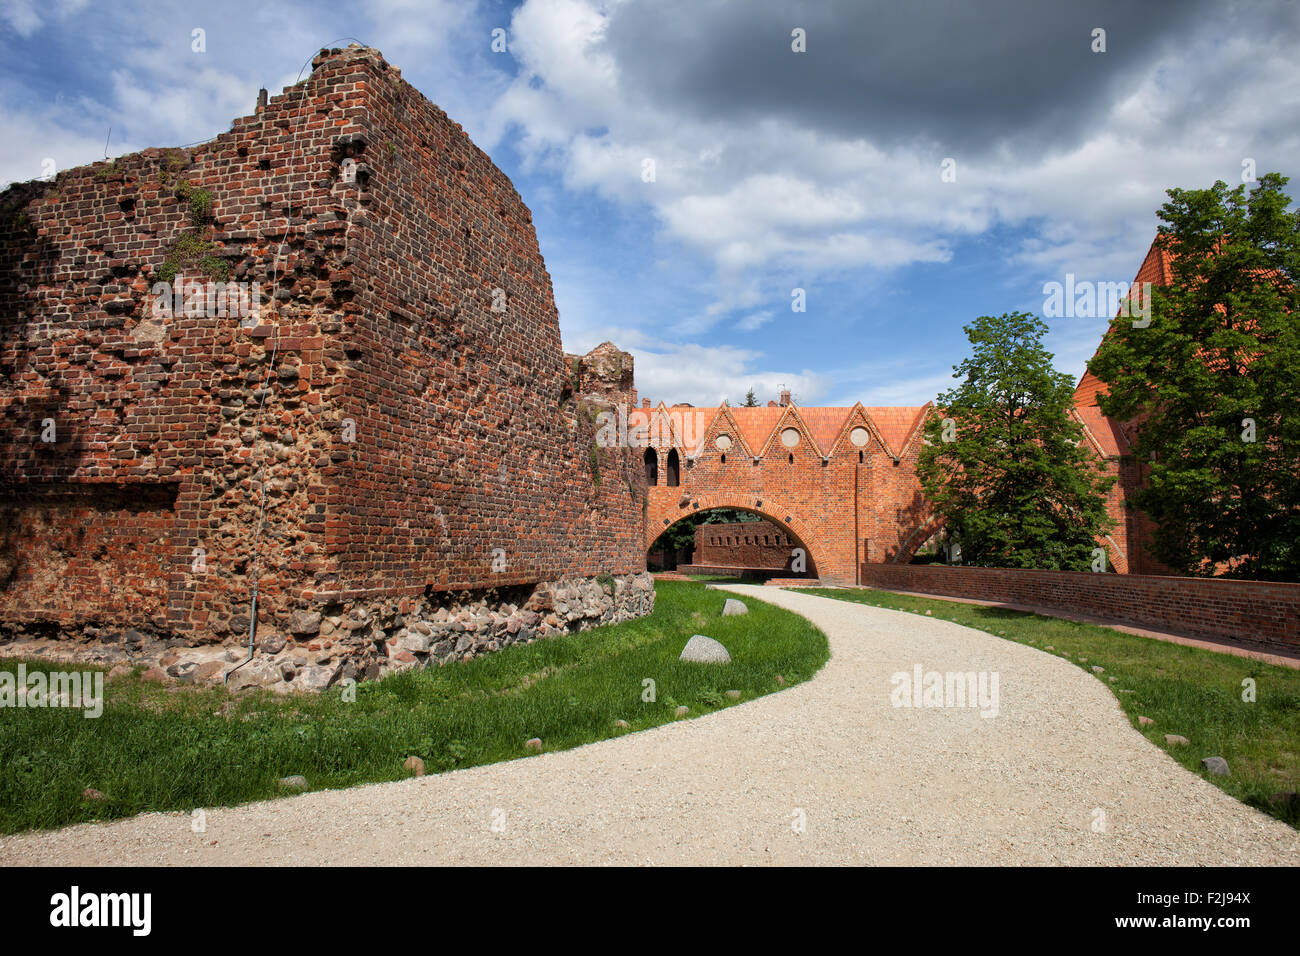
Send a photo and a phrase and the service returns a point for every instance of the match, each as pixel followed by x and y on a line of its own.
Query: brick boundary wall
pixel 1266 612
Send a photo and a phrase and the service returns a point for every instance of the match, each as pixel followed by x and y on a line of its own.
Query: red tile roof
pixel 1105 431
pixel 1158 269
pixel 824 425
pixel 895 424
pixel 756 424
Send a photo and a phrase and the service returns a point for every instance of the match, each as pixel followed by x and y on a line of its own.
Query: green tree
pixel 1213 382
pixel 751 401
pixel 1005 464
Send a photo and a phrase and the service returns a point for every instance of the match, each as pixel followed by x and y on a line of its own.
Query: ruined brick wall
pixel 395 427
pixel 474 460
pixel 145 485
pixel 742 544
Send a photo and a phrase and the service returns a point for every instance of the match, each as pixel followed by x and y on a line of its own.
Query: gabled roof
pixel 690 426
pixel 793 417
pixel 756 427
pixel 1158 269
pixel 724 422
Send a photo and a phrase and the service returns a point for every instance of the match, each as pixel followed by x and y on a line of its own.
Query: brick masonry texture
pixel 843 502
pixel 1268 613
pixel 1127 545
pixel 743 544
pixel 401 406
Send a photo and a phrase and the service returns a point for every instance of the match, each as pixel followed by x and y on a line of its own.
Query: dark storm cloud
pixel 966 76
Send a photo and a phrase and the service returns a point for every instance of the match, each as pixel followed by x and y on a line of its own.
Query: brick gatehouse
pixel 840 481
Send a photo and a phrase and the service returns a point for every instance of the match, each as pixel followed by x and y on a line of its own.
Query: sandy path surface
pixel 875 783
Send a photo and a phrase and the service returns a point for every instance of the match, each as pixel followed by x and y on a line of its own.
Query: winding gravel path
pixel 875 783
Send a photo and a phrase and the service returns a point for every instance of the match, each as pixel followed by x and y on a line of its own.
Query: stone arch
pixel 1115 558
pixel 920 534
pixel 770 510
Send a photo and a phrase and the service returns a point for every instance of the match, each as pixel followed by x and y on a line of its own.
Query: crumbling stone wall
pixel 396 433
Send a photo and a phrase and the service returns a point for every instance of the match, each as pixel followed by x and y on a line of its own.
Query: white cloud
pixel 22 16
pixel 763 195
pixel 705 375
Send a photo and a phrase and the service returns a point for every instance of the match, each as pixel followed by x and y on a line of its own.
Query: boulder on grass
pixel 734 607
pixel 1215 766
pixel 704 650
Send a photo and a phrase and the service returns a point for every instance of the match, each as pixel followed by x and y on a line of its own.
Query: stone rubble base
pixel 355 640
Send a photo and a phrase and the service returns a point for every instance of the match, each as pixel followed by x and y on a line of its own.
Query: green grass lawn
pixel 1187 691
pixel 183 747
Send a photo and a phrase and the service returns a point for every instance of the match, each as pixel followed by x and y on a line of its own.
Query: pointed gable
pixel 663 432
pixel 790 418
pixel 724 423
pixel 686 424
pixel 1156 268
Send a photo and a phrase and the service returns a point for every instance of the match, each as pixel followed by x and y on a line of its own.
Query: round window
pixel 859 436
pixel 722 442
pixel 790 437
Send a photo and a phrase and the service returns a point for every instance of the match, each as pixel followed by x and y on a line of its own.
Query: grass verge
pixel 180 747
pixel 1194 693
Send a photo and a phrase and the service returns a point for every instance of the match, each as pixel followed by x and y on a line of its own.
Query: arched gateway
pixel 841 481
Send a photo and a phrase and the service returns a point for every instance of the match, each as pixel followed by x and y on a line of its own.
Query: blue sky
pixel 819 170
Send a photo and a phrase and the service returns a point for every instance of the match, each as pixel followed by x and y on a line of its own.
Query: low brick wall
pixel 1264 612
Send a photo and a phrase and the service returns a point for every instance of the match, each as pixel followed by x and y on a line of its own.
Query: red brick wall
pixel 842 512
pixel 1248 610
pixel 742 544
pixel 855 505
pixel 468 434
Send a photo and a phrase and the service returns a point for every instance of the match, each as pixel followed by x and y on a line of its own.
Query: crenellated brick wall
pixel 743 544
pixel 400 412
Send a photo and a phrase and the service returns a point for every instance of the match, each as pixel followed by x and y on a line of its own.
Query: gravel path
pixel 875 783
